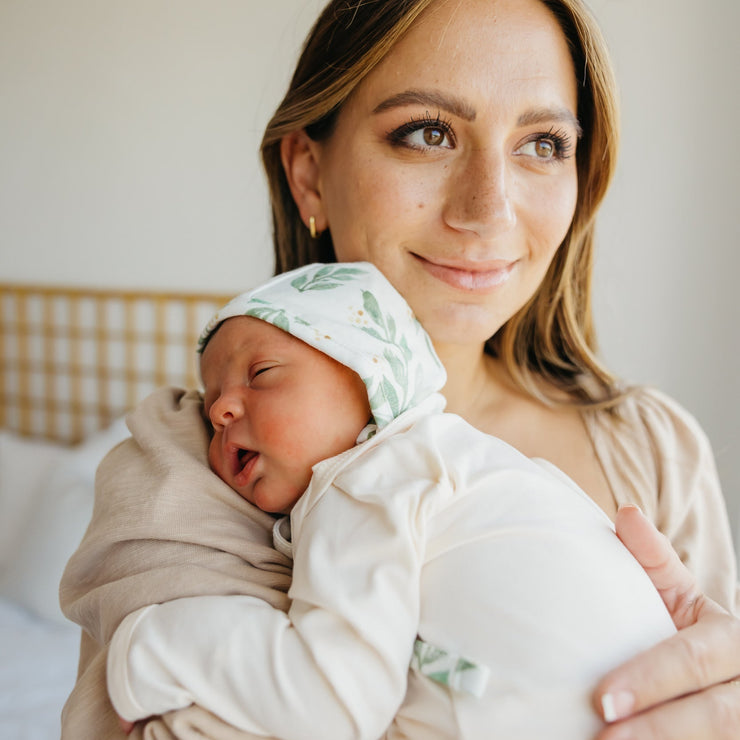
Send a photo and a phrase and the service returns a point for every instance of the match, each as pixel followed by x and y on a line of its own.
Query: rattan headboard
pixel 72 359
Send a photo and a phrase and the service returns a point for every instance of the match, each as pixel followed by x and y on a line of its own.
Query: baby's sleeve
pixel 341 653
pixel 234 655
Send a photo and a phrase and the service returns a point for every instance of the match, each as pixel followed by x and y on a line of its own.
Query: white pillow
pixel 61 510
pixel 25 467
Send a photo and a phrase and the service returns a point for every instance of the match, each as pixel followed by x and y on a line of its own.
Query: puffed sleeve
pixel 656 455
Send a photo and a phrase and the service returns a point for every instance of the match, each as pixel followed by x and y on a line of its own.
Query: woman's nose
pixel 480 200
pixel 227 408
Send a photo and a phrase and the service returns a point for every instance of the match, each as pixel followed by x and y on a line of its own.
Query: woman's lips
pixel 471 277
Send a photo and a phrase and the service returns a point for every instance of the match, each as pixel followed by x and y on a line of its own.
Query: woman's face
pixel 452 166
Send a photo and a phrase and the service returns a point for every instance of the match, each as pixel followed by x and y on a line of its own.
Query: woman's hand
pixel 687 687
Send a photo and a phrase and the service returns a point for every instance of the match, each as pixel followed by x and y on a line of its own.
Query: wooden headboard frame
pixel 74 359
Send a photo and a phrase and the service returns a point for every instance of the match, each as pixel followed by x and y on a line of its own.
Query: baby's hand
pixel 125 725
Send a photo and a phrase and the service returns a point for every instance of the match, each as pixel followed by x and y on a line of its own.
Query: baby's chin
pixel 277 503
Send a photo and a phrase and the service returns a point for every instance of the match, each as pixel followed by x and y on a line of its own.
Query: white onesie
pixel 430 529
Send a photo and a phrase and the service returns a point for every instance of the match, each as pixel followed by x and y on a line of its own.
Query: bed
pixel 72 362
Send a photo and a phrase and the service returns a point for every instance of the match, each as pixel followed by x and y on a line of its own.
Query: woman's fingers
pixel 701 656
pixel 669 575
pixel 713 714
pixel 680 688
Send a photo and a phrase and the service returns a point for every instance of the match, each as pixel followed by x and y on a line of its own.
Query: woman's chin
pixel 463 326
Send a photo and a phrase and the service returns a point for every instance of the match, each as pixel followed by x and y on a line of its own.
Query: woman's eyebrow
pixel 430 99
pixel 550 115
pixel 461 109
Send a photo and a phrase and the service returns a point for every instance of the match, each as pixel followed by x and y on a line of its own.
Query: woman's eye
pixel 541 149
pixel 423 134
pixel 544 149
pixel 434 137
pixel 547 148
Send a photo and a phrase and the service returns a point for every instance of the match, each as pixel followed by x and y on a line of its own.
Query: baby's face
pixel 278 406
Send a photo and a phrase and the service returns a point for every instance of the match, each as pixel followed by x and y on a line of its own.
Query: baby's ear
pixel 300 157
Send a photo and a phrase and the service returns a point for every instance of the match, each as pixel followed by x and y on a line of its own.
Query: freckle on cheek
pixel 420 206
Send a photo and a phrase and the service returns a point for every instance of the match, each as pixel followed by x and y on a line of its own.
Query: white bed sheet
pixel 38 664
pixel 46 499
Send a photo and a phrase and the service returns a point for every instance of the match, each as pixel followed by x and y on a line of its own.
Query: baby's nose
pixel 226 409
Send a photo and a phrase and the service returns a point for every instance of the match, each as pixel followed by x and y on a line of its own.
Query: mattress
pixel 38 664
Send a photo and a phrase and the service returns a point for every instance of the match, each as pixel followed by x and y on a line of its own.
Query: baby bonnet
pixel 350 312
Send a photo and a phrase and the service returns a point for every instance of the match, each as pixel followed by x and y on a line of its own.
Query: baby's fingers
pixel 125 725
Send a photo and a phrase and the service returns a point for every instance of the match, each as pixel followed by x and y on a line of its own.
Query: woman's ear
pixel 300 157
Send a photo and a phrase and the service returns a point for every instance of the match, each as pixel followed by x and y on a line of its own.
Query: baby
pixel 434 566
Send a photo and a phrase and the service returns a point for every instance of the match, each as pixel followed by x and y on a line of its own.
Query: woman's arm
pixel 685 688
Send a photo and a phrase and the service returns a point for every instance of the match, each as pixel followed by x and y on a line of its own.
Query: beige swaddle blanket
pixel 163 527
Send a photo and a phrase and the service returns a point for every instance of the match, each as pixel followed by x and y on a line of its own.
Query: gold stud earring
pixel 312 227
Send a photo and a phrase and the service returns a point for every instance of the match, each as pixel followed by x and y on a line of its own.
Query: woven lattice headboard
pixel 72 360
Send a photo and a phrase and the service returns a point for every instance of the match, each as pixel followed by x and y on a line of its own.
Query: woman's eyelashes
pixel 427 132
pixel 433 132
pixel 553 146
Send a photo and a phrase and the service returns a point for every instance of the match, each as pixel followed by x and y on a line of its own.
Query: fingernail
pixel 630 506
pixel 617 705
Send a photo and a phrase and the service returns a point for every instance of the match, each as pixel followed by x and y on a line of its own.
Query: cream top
pixel 658 457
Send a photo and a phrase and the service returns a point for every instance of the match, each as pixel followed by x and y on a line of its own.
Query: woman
pixel 464 147
pixel 428 168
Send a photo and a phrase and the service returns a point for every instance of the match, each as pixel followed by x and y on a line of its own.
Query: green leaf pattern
pixel 326 278
pixel 399 394
pixel 449 669
pixel 383 394
pixel 267 312
pixel 396 377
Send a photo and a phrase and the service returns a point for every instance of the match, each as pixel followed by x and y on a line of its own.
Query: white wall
pixel 129 134
pixel 667 290
pixel 128 156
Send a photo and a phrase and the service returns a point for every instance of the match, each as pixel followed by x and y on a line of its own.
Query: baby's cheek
pixel 214 456
pixel 287 433
pixel 297 449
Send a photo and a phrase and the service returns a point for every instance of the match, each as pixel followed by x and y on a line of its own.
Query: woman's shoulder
pixel 646 415
pixel 656 455
pixel 647 443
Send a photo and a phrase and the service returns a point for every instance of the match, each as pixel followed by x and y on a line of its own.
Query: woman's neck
pixel 474 380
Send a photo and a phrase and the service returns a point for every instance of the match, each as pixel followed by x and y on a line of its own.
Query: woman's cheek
pixel 551 213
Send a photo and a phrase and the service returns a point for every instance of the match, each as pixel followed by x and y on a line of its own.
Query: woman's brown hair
pixel 552 338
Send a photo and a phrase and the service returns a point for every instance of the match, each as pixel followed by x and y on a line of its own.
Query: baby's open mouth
pixel 244 462
pixel 243 457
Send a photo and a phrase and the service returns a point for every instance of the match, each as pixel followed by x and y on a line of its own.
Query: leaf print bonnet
pixel 350 312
